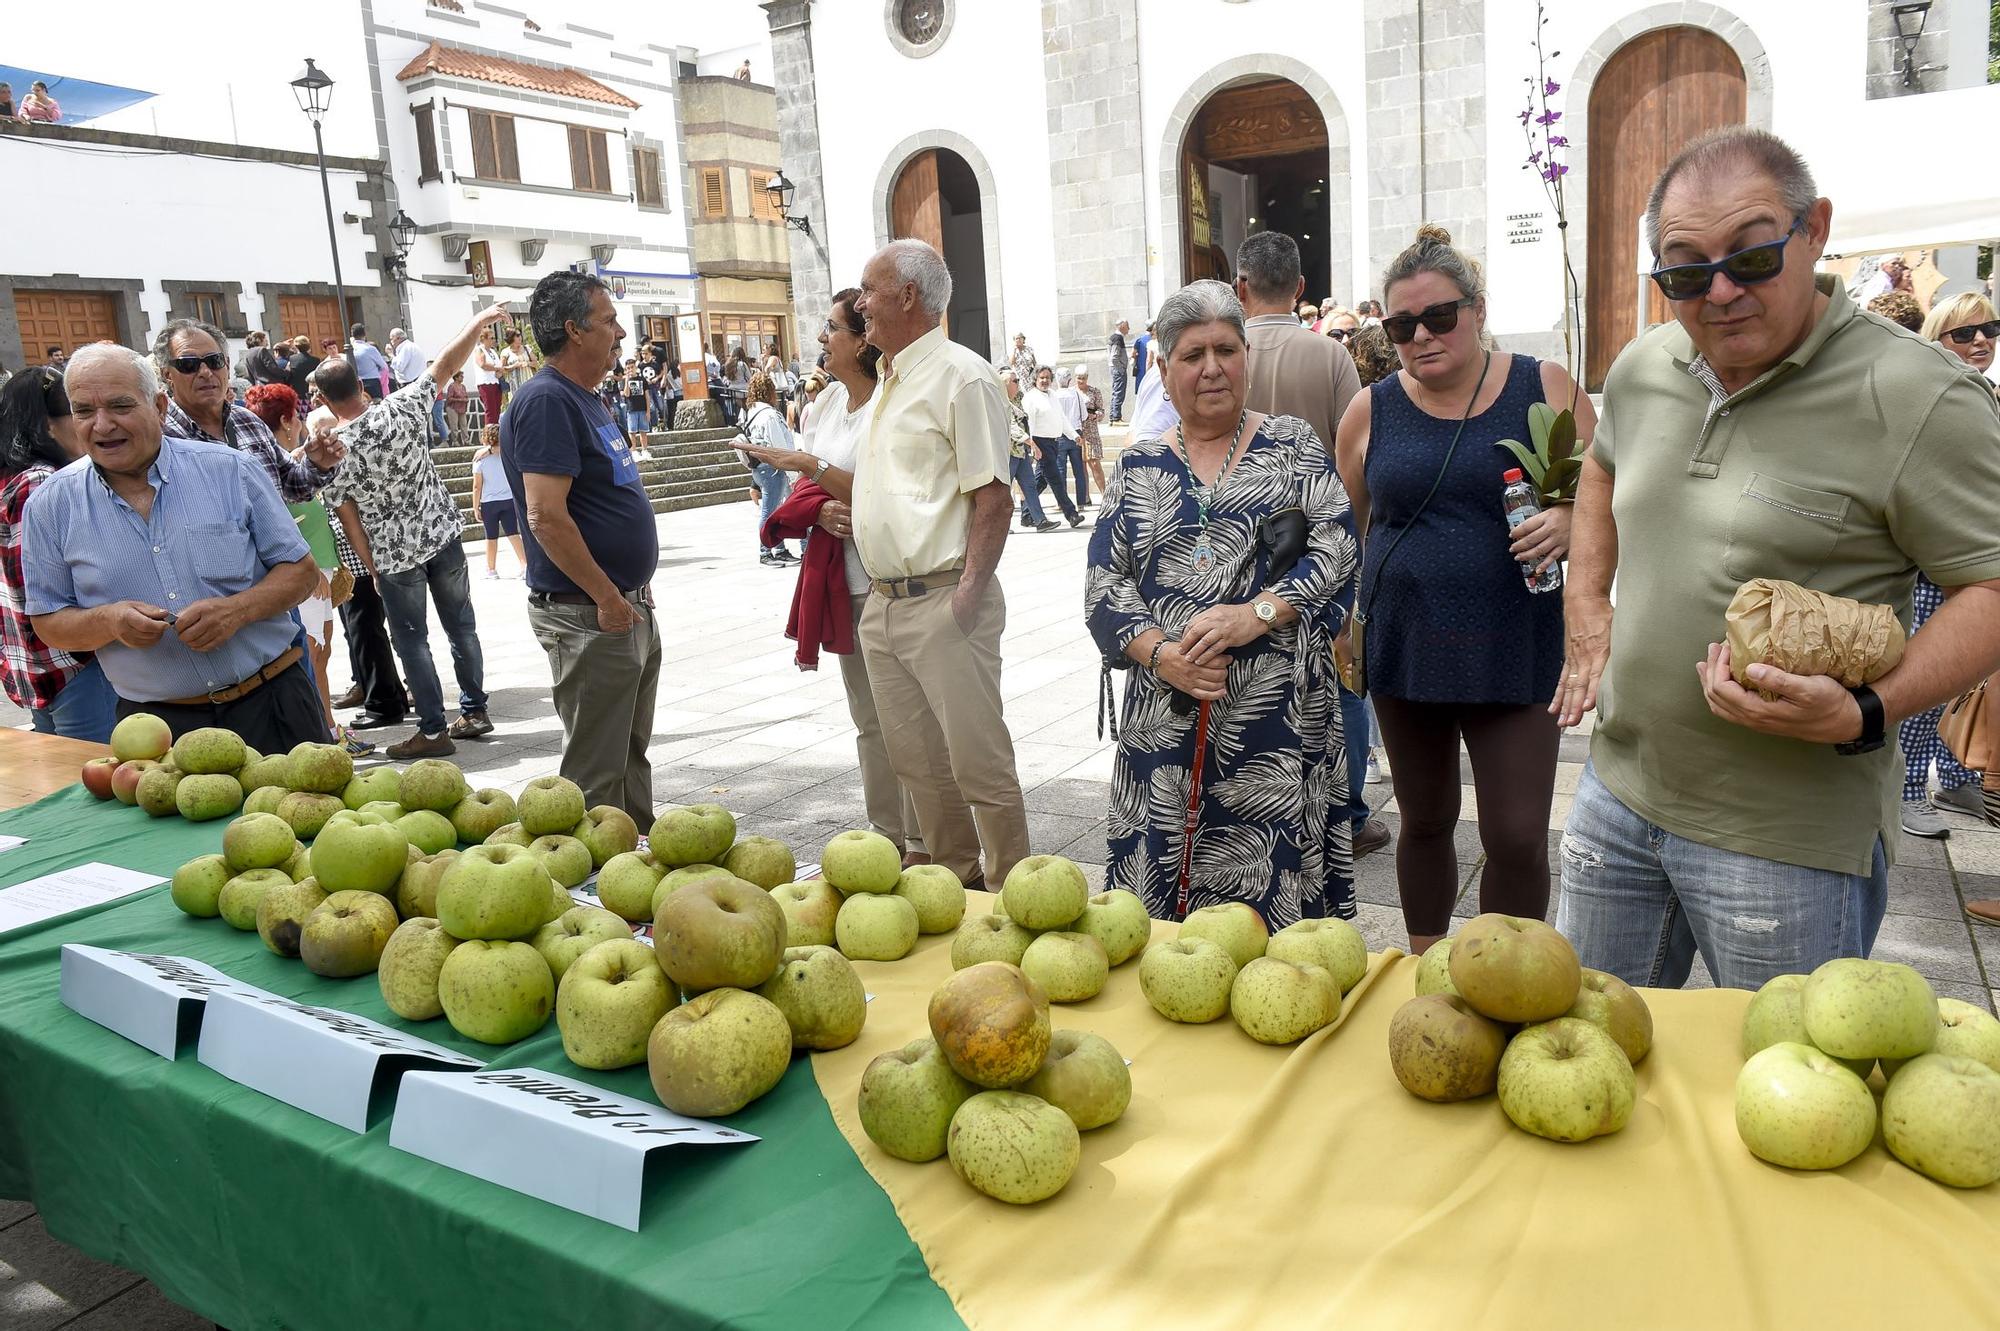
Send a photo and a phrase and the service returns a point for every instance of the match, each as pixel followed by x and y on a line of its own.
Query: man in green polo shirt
pixel 1774 430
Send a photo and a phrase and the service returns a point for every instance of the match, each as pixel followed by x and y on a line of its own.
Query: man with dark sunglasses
pixel 1773 430
pixel 193 358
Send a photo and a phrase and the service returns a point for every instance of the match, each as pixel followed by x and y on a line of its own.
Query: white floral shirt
pixel 405 509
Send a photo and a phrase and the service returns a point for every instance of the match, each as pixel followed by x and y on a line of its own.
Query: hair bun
pixel 1431 231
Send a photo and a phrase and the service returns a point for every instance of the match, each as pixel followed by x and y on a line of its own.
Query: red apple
pixel 97 777
pixel 125 780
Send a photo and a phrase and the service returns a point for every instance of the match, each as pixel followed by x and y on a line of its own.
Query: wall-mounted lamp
pixel 781 191
pixel 1907 38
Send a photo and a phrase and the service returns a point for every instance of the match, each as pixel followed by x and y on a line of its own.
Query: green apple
pixel 480 814
pixel 282 913
pixel 676 879
pixel 417 889
pixel 198 885
pixel 1802 1109
pixel 1442 1050
pixel 207 797
pixel 495 992
pixel 432 783
pixel 1617 1007
pixel 606 831
pixel 936 893
pixel 428 830
pixel 719 933
pixel 380 784
pixel 861 861
pixel 306 813
pixel 1964 1031
pixel 550 804
pixel 718 1051
pixel 810 907
pixel 359 852
pixel 299 867
pixel 821 996
pixel 1515 969
pixel 1045 892
pixel 1565 1079
pixel 1085 1077
pixel 158 790
pixel 1234 924
pixel 562 941
pixel 141 735
pixel 560 903
pixel 257 841
pixel 387 810
pixel 346 934
pixel 323 769
pixel 1434 969
pixel 1854 1008
pixel 1777 1014
pixel 1941 1117
pixel 1013 1147
pixel 992 1022
pixel 607 1002
pixel 210 751
pixel 1331 943
pixel 509 834
pixel 1118 920
pixel 1071 967
pixel 908 1097
pixel 494 892
pixel 264 799
pixel 242 894
pixel 568 859
pixel 625 884
pixel 876 927
pixel 989 938
pixel 411 963
pixel 261 773
pixel 1282 1002
pixel 695 834
pixel 765 861
pixel 1187 979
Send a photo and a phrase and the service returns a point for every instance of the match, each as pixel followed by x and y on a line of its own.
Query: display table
pixel 1246 1186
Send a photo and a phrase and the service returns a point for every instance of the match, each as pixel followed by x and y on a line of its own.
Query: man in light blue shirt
pixel 175 562
pixel 368 362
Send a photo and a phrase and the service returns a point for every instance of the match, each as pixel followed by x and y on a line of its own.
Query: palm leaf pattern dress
pixel 1276 765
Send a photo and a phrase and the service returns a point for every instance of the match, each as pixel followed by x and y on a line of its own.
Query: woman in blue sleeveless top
pixel 1457 648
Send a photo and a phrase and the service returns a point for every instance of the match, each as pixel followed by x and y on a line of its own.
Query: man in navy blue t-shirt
pixel 591 544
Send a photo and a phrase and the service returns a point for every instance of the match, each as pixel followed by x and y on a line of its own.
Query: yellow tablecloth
pixel 1270 1187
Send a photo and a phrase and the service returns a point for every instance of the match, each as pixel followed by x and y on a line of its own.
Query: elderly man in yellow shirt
pixel 931 511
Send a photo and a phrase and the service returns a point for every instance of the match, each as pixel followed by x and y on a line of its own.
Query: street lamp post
pixel 403 231
pixel 315 93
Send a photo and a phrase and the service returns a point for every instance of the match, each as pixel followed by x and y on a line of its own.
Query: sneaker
pixel 1076 520
pixel 769 560
pixel 1370 837
pixel 786 556
pixel 420 745
pixel 1920 819
pixel 1047 524
pixel 473 725
pixel 492 575
pixel 352 744
pixel 1961 799
pixel 1374 777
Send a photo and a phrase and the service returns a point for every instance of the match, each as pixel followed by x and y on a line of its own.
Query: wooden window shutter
pixel 600 162
pixel 510 159
pixel 712 202
pixel 427 152
pixel 485 155
pixel 646 177
pixel 579 158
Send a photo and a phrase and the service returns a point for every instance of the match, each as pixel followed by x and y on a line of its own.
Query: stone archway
pixel 893 165
pixel 1250 68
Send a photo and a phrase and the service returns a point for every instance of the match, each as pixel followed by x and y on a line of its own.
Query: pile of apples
pixel 1046 922
pixel 1278 987
pixel 1811 1041
pixel 199 776
pixel 994 1088
pixel 1505 1005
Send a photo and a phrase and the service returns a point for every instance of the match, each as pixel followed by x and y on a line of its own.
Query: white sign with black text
pixel 153 1001
pixel 564 1141
pixel 322 1061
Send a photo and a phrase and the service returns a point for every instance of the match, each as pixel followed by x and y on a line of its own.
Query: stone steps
pixel 688 469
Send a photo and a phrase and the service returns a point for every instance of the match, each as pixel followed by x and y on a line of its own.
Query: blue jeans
pixel 1023 472
pixel 85 709
pixel 772 487
pixel 1054 453
pixel 444 577
pixel 635 419
pixel 1354 733
pixel 437 422
pixel 1638 901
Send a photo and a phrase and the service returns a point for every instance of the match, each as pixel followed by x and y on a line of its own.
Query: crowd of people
pixel 1306 528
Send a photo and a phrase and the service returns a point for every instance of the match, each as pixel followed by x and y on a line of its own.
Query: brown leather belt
pixel 284 661
pixel 641 596
pixel 897 589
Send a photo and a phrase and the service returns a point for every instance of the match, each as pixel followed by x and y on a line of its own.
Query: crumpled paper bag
pixel 1804 632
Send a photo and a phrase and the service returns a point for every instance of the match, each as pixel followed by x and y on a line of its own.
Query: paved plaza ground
pixel 739 724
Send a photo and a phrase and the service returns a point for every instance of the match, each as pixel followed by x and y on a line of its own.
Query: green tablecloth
pixel 257 1214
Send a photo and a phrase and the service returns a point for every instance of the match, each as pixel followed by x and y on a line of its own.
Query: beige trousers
pixel 890 811
pixel 937 692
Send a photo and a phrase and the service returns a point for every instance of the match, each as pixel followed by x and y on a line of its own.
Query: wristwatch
pixel 1266 610
pixel 1872 725
pixel 819 470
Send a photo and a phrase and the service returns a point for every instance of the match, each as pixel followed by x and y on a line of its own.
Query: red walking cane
pixel 1193 808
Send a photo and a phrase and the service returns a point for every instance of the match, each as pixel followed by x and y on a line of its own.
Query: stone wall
pixel 1426 70
pixel 1885 51
pixel 798 147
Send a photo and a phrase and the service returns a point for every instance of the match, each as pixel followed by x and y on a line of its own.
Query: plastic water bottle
pixel 1521 503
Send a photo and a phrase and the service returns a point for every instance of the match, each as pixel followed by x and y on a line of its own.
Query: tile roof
pixel 437 58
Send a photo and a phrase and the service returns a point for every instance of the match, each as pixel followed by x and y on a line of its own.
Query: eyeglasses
pixel 1440 319
pixel 1964 335
pixel 214 360
pixel 1746 268
pixel 830 328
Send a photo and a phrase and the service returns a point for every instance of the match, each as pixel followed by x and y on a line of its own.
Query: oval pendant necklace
pixel 1204 553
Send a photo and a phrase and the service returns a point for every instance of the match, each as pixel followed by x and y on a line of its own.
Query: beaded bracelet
pixel 1153 662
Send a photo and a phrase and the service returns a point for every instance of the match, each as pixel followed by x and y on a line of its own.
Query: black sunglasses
pixel 1440 319
pixel 1964 335
pixel 1746 267
pixel 214 360
pixel 1342 334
